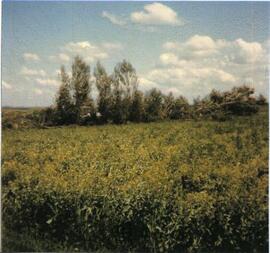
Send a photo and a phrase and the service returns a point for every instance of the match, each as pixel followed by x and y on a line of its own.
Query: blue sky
pixel 187 48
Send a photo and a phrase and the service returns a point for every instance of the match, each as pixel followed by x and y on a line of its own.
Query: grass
pixel 160 187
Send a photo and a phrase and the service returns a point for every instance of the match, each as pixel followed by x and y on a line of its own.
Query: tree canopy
pixel 119 101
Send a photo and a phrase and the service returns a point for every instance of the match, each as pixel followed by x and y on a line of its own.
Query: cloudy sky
pixel 186 48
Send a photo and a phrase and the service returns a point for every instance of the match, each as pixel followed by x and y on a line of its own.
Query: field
pixel 14 118
pixel 157 187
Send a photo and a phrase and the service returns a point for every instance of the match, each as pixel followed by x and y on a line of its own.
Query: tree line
pixel 120 101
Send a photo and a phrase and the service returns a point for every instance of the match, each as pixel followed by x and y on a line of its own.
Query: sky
pixel 187 48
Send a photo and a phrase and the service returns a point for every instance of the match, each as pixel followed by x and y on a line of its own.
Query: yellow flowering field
pixel 156 187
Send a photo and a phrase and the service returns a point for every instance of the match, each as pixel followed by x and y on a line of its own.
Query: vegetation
pixel 193 178
pixel 119 100
pixel 157 187
pixel 21 118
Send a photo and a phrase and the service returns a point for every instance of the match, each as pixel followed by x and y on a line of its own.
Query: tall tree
pixel 153 105
pixel 137 112
pixel 126 77
pixel 64 106
pixel 103 84
pixel 80 83
pixel 180 109
pixel 125 83
pixel 167 106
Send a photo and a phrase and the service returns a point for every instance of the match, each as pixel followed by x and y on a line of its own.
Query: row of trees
pixel 119 99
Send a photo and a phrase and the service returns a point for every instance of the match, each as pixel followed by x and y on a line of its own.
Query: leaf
pixel 49 221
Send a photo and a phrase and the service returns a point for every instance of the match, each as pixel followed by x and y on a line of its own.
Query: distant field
pixel 156 187
pixel 18 117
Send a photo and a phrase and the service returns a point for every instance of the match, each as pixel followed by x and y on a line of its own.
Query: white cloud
pixel 113 18
pixel 31 57
pixel 38 91
pixel 198 46
pixel 6 85
pixel 198 42
pixel 189 82
pixel 196 66
pixel 58 73
pixel 248 52
pixel 89 51
pixel 32 72
pixel 188 75
pixel 48 82
pixel 156 14
pixel 64 57
pixel 112 46
pixel 145 84
pixel 170 45
pixel 61 57
pixel 169 58
pixel 78 46
pixel 52 57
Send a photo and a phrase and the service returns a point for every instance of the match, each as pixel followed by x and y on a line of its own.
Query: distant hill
pixel 21 108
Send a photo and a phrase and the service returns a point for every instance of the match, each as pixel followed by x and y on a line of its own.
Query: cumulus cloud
pixel 112 46
pixel 238 51
pixel 196 66
pixel 90 51
pixel 6 85
pixel 32 72
pixel 113 18
pixel 170 58
pixel 57 73
pixel 247 52
pixel 31 57
pixel 61 57
pixel 198 42
pixel 78 46
pixel 38 91
pixel 146 84
pixel 48 82
pixel 156 14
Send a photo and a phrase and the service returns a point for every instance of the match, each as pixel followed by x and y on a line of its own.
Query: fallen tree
pixel 238 101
